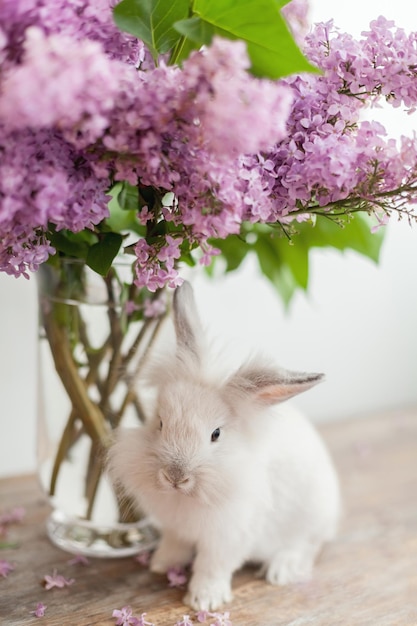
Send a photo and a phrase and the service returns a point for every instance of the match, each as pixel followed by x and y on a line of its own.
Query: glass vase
pixel 93 344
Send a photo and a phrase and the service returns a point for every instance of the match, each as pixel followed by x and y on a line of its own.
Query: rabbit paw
pixel 208 595
pixel 158 564
pixel 167 556
pixel 292 567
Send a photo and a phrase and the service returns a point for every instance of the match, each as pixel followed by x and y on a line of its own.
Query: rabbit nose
pixel 175 476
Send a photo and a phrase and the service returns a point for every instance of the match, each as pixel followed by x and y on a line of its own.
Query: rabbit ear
pixel 270 385
pixel 188 329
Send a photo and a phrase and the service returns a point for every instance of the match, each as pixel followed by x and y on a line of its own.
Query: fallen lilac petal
pixel 79 559
pixel 221 619
pixel 143 558
pixel 57 580
pixel 5 568
pixel 40 610
pixel 186 621
pixel 14 516
pixel 141 621
pixel 4 519
pixel 17 514
pixel 176 577
pixel 122 616
pixel 202 616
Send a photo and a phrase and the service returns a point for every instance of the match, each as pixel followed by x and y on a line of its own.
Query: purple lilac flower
pixel 185 621
pixel 14 516
pixel 57 580
pixel 62 83
pixel 149 133
pixel 177 577
pixel 151 272
pixel 288 149
pixel 142 621
pixel 381 63
pixel 330 155
pixel 220 619
pixel 80 19
pixel 219 77
pixel 5 568
pixel 154 307
pixel 162 145
pixel 122 615
pixel 125 617
pixel 144 558
pixel 43 179
pixel 40 610
pixel 202 616
pixel 79 559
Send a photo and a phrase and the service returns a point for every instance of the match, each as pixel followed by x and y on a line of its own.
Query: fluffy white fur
pixel 264 491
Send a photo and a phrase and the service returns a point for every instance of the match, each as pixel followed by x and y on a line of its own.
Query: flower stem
pixel 93 377
pixel 88 412
pixel 131 394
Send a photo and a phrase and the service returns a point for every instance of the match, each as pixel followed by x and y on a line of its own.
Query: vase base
pixel 88 538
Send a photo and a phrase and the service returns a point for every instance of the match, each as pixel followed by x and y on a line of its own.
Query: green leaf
pixel 152 21
pixel 198 31
pixel 273 266
pixel 186 253
pixel 271 47
pixel 185 45
pixel 292 257
pixel 122 219
pixel 100 256
pixel 70 248
pixel 72 244
pixel 234 250
pixel 286 263
pixel 128 197
pixel 282 3
pixel 354 233
pixel 295 257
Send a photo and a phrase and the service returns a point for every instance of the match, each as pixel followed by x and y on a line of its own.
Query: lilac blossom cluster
pixel 83 105
pixel 58 61
pixel 331 158
pixel 44 178
pixel 76 19
pixel 184 140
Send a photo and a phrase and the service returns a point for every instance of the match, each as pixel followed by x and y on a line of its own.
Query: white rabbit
pixel 226 476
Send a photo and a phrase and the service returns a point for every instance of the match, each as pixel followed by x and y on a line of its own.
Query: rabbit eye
pixel 215 434
pixel 160 424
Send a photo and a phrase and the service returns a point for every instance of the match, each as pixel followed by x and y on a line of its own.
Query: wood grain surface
pixel 368 576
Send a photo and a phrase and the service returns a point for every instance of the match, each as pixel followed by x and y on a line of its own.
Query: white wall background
pixel 357 323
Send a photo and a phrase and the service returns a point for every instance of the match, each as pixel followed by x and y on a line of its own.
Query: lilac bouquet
pixel 179 132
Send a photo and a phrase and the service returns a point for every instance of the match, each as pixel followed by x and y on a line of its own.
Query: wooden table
pixel 367 577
